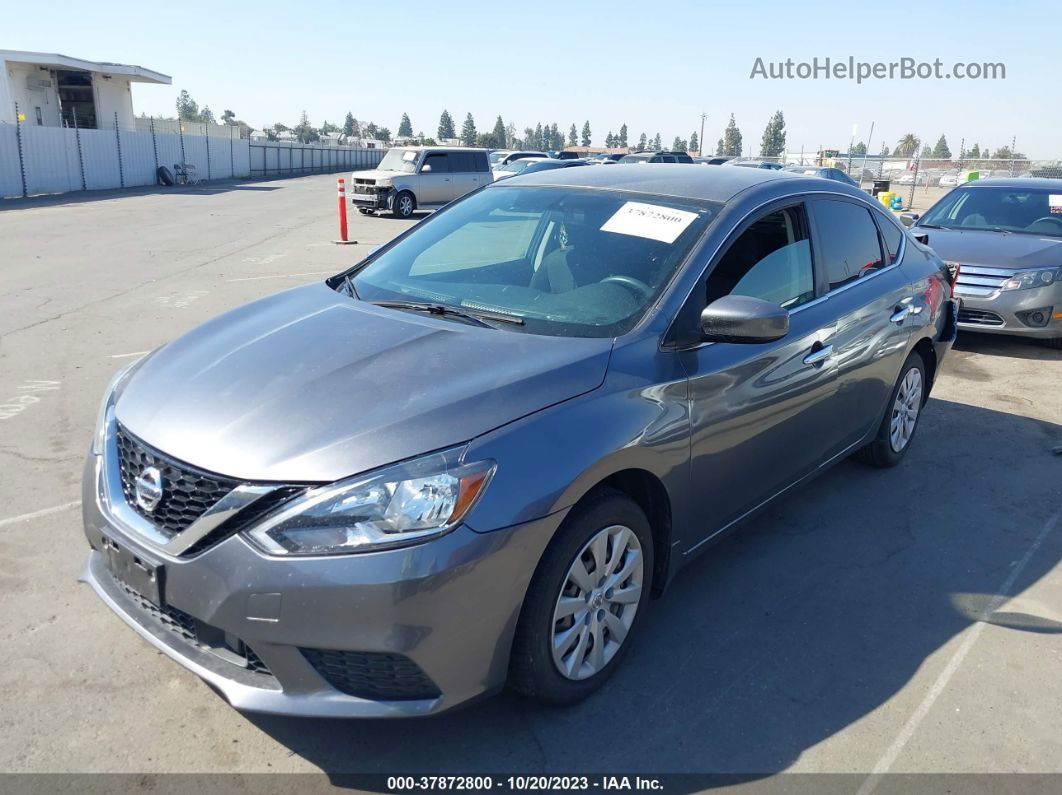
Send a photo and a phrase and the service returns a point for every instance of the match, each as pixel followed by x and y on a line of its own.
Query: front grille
pixel 979 317
pixel 194 631
pixel 187 492
pixel 373 675
pixel 980 281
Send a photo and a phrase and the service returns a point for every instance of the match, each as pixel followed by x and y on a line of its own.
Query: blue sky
pixel 611 63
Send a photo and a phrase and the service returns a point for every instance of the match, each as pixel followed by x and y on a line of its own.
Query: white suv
pixel 424 177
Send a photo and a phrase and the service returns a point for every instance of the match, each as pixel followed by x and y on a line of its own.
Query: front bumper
pixel 449 606
pixel 378 200
pixel 998 313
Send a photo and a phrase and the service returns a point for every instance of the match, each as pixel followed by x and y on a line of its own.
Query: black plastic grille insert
pixel 373 675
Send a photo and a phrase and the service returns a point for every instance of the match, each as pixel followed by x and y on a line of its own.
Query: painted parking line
pixel 888 759
pixel 127 355
pixel 38 514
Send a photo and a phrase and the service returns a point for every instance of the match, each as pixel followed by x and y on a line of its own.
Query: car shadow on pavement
pixel 1010 347
pixel 808 620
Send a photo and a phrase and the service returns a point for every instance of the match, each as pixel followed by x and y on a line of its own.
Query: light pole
pixel 700 141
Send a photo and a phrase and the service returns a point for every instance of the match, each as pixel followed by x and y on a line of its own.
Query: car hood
pixel 975 247
pixel 378 175
pixel 311 385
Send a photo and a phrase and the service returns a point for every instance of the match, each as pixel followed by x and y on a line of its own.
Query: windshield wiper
pixel 478 316
pixel 348 282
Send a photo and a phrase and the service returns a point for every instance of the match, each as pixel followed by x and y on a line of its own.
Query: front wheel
pixel 403 205
pixel 901 418
pixel 584 601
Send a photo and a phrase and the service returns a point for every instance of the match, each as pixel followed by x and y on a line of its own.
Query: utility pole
pixel 865 151
pixel 700 141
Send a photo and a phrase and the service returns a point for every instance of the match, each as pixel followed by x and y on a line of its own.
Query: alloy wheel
pixel 597 602
pixel 905 410
pixel 405 205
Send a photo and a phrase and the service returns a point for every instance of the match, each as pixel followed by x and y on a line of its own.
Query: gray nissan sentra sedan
pixel 470 459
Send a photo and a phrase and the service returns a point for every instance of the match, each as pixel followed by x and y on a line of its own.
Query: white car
pixel 501 157
pixel 415 177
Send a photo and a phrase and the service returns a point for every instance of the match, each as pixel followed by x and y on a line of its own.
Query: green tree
pixel 907 145
pixel 609 140
pixel 926 152
pixel 206 115
pixel 695 144
pixel 573 136
pixel 642 142
pixel 658 145
pixel 405 127
pixel 327 127
pixel 975 152
pixel 187 108
pixel 586 133
pixel 732 139
pixel 304 131
pixel 384 135
pixel 498 135
pixel 539 140
pixel 348 124
pixel 468 131
pixel 228 117
pixel 772 143
pixel 529 138
pixel 859 149
pixel 719 148
pixel 884 151
pixel 371 131
pixel 622 140
pixel 556 138
pixel 446 126
pixel 680 145
pixel 941 150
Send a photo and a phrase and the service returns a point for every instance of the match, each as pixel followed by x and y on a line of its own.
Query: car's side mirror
pixel 908 219
pixel 425 169
pixel 740 318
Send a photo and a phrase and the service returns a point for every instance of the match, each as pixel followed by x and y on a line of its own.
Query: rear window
pixel 892 236
pixel 848 239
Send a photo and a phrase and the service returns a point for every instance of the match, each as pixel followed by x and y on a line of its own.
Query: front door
pixel 758 410
pixel 436 181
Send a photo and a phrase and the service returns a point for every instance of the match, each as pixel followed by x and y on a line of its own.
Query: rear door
pixel 469 171
pixel 869 301
pixel 436 183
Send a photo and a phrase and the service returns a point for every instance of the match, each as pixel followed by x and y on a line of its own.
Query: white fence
pixel 35 160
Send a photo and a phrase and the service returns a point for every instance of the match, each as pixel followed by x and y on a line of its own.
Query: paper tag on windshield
pixel 1054 201
pixel 649 220
pixel 409 155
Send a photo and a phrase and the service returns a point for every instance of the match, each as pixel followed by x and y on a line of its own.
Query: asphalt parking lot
pixel 907 620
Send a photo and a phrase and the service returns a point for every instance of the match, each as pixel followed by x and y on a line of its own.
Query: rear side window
pixel 848 239
pixel 481 161
pixel 461 162
pixel 439 164
pixel 892 237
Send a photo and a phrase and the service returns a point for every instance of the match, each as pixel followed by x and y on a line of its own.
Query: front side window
pixel 849 241
pixel 567 262
pixel 1024 210
pixel 769 260
pixel 439 163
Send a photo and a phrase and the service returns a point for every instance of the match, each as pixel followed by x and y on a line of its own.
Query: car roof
pixel 1044 183
pixel 682 180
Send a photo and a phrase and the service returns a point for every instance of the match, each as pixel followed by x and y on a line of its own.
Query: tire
pixel 882 452
pixel 365 211
pixel 164 176
pixel 534 668
pixel 403 205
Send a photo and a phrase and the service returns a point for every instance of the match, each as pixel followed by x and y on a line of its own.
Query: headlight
pixel 1026 280
pixel 396 506
pixel 110 395
pixel 384 183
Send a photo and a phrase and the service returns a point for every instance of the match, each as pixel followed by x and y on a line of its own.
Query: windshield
pixel 403 160
pixel 568 262
pixel 496 156
pixel 1033 211
pixel 634 158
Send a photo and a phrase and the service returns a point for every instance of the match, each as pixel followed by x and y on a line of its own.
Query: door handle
pixel 900 314
pixel 819 356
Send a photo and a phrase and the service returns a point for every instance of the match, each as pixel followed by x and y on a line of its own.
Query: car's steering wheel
pixel 1052 218
pixel 637 286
